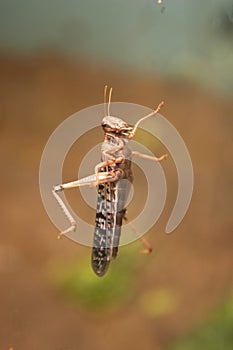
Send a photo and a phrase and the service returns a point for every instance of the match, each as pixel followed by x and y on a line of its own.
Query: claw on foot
pixel 146 251
pixel 72 228
pixel 164 156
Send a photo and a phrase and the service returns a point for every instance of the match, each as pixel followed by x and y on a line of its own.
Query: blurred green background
pixel 55 58
pixel 183 39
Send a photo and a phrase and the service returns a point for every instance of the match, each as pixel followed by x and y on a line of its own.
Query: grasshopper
pixel 115 166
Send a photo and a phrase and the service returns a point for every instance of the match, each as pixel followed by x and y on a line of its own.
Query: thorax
pixel 115 147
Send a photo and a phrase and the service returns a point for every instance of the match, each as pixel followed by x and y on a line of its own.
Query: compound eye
pixel 104 123
pixel 106 127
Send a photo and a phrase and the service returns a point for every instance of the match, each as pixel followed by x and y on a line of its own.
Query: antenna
pixel 105 100
pixel 109 100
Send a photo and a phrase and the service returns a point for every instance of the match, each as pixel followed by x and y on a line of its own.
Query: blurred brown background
pixel 177 288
